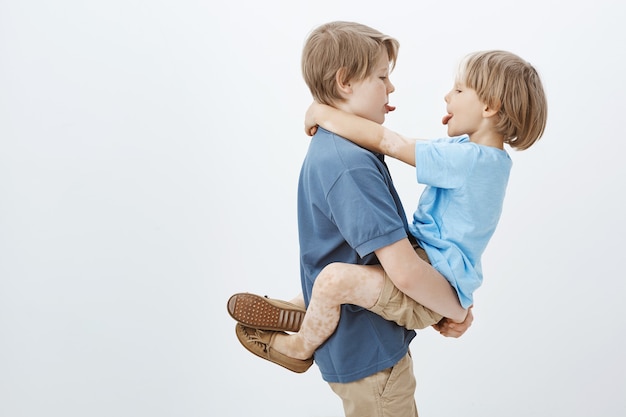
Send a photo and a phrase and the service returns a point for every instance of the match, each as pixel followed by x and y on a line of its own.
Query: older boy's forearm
pixel 429 288
pixel 419 280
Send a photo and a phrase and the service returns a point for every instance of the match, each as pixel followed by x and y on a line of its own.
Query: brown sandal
pixel 265 313
pixel 259 342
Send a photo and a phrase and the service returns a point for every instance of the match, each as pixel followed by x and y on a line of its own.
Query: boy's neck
pixel 488 139
pixel 486 134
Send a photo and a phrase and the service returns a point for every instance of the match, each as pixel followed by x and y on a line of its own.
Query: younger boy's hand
pixel 448 328
pixel 310 123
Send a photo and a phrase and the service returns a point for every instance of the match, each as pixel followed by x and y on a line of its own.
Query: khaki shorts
pixel 394 305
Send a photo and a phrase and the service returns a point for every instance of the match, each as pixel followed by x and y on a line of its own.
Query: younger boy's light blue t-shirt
pixel 460 207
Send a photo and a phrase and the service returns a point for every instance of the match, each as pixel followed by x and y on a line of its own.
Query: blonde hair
pixel 348 46
pixel 506 82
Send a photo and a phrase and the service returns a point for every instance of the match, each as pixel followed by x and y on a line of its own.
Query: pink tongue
pixel 390 108
pixel 446 119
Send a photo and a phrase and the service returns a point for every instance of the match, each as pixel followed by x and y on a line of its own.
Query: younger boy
pixel 497 99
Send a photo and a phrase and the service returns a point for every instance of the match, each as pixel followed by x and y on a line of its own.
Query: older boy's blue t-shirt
pixel 348 208
pixel 460 208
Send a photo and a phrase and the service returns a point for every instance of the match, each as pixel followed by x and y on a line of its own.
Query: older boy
pixel 349 211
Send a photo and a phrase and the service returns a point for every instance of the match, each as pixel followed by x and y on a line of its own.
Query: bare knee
pixel 331 279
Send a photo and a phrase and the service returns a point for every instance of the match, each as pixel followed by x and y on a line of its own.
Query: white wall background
pixel 149 155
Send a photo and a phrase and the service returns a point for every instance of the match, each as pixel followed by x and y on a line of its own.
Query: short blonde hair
pixel 350 46
pixel 504 80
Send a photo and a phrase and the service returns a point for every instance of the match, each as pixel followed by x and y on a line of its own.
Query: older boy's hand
pixel 448 328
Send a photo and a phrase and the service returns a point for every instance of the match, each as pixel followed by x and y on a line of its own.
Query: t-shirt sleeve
pixel 364 211
pixel 444 163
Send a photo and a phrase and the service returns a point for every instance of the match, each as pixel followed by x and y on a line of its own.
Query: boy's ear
pixel 343 84
pixel 490 110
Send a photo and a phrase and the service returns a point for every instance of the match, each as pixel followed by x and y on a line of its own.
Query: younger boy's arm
pixel 361 131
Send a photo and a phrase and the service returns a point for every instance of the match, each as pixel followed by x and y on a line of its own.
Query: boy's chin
pixel 452 133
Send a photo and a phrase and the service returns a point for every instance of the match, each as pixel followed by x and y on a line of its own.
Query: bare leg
pixel 298 300
pixel 337 284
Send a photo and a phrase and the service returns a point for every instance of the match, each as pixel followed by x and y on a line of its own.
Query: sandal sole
pixel 265 313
